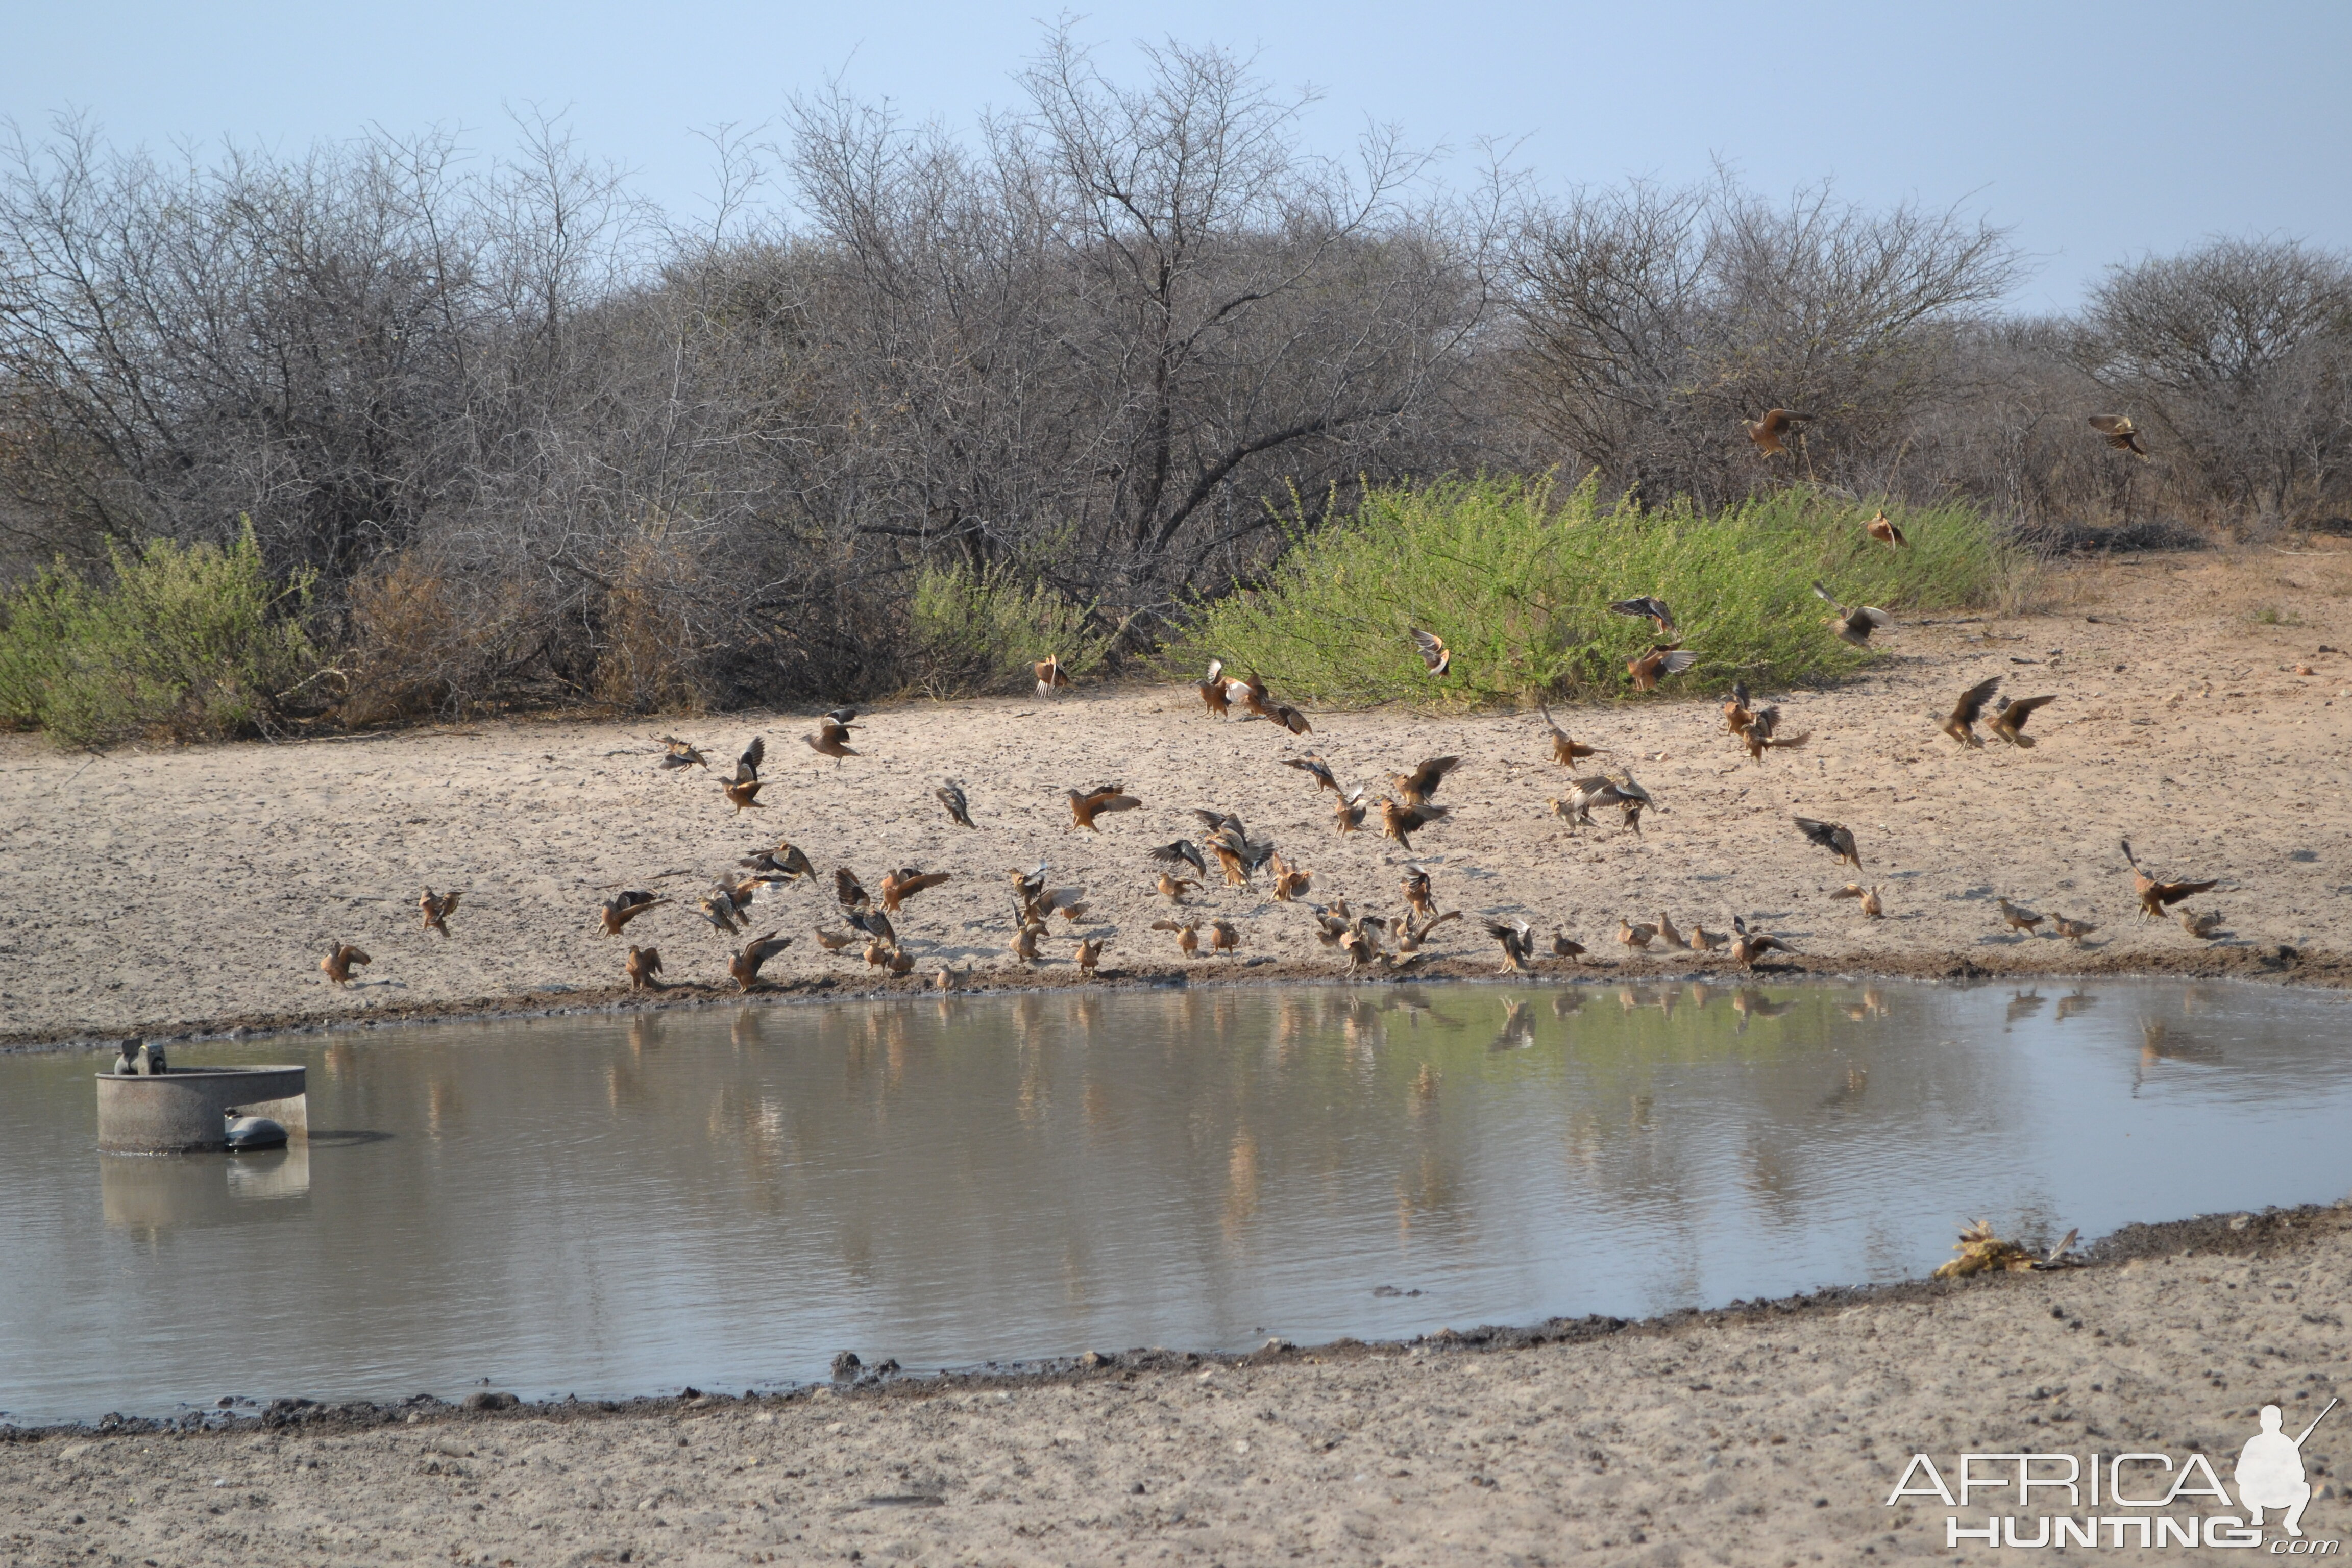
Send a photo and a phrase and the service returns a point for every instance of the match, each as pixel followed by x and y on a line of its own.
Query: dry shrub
pixel 650 658
pixel 425 643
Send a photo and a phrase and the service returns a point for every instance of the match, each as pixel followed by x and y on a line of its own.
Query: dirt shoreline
pixel 190 893
pixel 1764 1432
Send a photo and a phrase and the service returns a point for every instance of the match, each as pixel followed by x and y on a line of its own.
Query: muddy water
pixel 726 1198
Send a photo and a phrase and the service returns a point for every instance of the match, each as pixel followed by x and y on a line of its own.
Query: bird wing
pixel 1110 799
pixel 1822 594
pixel 747 766
pixel 1821 833
pixel 2018 713
pixel 909 886
pixel 1972 700
pixel 1431 773
pixel 2112 424
pixel 1675 663
pixel 1866 614
pixel 846 888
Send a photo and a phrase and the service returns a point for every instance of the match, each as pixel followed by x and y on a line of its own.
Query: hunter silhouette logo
pixel 2123 1492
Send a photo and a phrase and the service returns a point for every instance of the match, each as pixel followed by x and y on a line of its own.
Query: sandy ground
pixel 166 892
pixel 1767 1434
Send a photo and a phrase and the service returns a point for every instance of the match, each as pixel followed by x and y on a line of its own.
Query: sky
pixel 2097 134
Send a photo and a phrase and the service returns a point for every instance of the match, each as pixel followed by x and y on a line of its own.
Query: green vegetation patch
pixel 1518 577
pixel 187 642
pixel 984 631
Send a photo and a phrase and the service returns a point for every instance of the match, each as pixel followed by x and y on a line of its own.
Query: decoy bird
pixel 1402 822
pixel 1518 943
pixel 643 966
pixel 2155 895
pixel 1647 669
pixel 905 883
pixel 950 795
pixel 745 965
pixel 622 907
pixel 1832 836
pixel 1564 750
pixel 1883 528
pixel 1090 954
pixel 2008 718
pixel 830 739
pixel 2120 433
pixel 1415 788
pixel 1637 937
pixel 1316 768
pixel 436 908
pixel 1770 432
pixel 1652 610
pixel 1435 657
pixel 1051 678
pixel 1852 623
pixel 2016 918
pixel 677 753
pixel 1213 691
pixel 1188 934
pixel 339 960
pixel 1962 724
pixel 1086 804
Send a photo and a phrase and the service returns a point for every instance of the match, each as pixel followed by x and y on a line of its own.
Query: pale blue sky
pixel 2098 132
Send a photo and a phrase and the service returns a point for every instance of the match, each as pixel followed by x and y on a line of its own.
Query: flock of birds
pixel 1363 940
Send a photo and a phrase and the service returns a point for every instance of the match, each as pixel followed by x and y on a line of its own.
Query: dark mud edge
pixel 2224 961
pixel 2271 1232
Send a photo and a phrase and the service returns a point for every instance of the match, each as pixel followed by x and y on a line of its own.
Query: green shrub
pixel 191 642
pixel 1517 578
pixel 983 631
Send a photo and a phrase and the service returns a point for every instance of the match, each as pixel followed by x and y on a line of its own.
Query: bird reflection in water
pixel 2073 1003
pixel 1564 1003
pixel 1751 1003
pixel 2024 1005
pixel 1240 1184
pixel 1518 1030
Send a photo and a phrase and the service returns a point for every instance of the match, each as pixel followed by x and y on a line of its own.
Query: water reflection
pixel 728 1197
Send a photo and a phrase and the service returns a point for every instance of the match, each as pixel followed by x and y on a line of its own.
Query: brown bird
pixel 1669 936
pixel 1188 935
pixel 1762 734
pixel 1051 678
pixel 2120 433
pixel 1636 937
pixel 1213 691
pixel 1224 937
pixel 847 890
pixel 833 940
pixel 2017 918
pixel 1736 715
pixel 1852 623
pixel 1410 934
pixel 2009 719
pixel 1416 890
pixel 2155 895
pixel 1873 906
pixel 1347 811
pixel 1647 669
pixel 1565 946
pixel 901 962
pixel 1881 528
pixel 1359 947
pixel 1652 610
pixel 643 966
pixel 1770 432
pixel 1705 940
pixel 1518 943
pixel 437 908
pixel 1415 788
pixel 950 795
pixel 1173 889
pixel 1182 852
pixel 1402 822
pixel 1024 940
pixel 1086 804
pixel 1290 879
pixel 1090 954
pixel 622 907
pixel 830 739
pixel 2072 930
pixel 339 960
pixel 1832 836
pixel 1331 923
pixel 724 905
pixel 905 883
pixel 1749 947
pixel 745 965
pixel 680 754
pixel 1316 768
pixel 877 953
pixel 2201 926
pixel 1962 724
pixel 1435 657
pixel 1291 719
pixel 784 863
pixel 1233 858
pixel 1564 750
pixel 742 795
pixel 1255 698
pixel 1868 897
